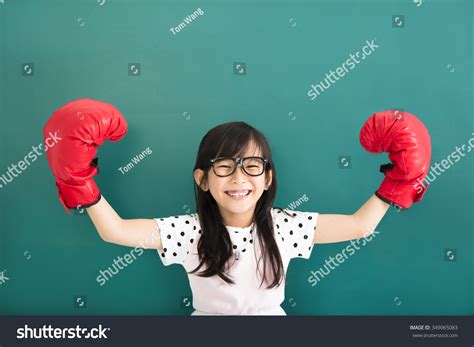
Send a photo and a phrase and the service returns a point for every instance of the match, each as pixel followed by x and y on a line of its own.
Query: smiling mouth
pixel 238 193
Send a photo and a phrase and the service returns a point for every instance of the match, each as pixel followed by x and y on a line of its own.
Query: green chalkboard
pixel 254 61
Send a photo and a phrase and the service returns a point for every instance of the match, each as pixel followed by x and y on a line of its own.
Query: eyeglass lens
pixel 251 166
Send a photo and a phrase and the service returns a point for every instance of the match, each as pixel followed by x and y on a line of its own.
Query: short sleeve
pixel 177 233
pixel 296 229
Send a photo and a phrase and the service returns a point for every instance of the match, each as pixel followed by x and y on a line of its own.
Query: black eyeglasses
pixel 252 166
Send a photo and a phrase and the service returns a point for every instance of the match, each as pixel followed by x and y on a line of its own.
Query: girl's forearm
pixel 138 232
pixel 371 213
pixel 105 219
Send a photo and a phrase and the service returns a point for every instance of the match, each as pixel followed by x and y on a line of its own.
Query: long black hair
pixel 215 247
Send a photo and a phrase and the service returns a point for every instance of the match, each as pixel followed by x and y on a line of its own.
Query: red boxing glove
pixel 408 143
pixel 82 125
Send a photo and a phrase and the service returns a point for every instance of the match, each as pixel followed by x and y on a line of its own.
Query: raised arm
pixel 408 143
pixel 83 125
pixel 339 227
pixel 143 233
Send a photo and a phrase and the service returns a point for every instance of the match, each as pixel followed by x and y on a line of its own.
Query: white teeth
pixel 239 194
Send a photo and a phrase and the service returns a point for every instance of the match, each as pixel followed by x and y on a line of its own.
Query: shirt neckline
pixel 231 228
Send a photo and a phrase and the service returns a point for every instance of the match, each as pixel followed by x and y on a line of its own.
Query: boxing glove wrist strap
pixel 400 195
pixel 78 196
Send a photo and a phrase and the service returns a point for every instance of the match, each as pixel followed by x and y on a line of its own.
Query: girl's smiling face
pixel 236 211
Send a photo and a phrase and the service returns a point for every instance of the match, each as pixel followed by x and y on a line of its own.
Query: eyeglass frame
pixel 239 162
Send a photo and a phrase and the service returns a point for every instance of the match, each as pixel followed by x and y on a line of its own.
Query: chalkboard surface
pixel 177 69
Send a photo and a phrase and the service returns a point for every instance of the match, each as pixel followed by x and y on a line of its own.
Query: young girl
pixel 236 247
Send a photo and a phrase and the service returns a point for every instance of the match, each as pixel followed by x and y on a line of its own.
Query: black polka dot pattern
pixel 242 239
pixel 178 234
pixel 296 231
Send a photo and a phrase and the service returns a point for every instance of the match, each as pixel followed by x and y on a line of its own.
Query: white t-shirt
pixel 212 295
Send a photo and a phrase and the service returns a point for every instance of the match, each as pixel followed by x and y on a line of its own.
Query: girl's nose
pixel 239 174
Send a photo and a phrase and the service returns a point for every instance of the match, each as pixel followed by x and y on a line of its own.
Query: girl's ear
pixel 198 176
pixel 268 181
